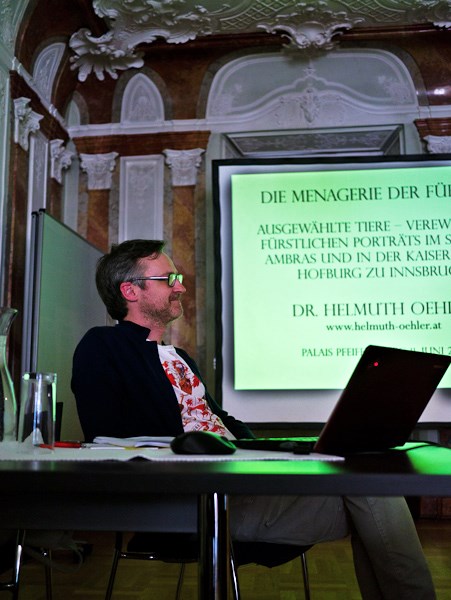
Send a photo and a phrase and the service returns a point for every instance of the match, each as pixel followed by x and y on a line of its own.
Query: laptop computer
pixel 379 407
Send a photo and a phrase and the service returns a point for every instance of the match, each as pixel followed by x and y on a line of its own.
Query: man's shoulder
pixel 98 335
pixel 121 330
pixel 100 341
pixel 101 331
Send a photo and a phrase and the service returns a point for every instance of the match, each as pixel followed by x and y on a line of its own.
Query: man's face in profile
pixel 158 302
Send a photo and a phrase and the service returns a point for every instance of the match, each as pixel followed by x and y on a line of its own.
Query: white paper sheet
pixel 15 451
pixel 135 442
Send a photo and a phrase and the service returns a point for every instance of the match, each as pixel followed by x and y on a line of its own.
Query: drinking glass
pixel 37 409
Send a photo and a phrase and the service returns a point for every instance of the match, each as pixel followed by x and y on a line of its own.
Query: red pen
pixel 68 444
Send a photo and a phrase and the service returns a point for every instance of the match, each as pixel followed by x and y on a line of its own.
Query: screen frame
pixel 222 169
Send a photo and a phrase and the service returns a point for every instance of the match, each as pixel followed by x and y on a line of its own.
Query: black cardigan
pixel 121 388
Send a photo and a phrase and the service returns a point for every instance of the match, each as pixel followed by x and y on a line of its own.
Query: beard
pixel 164 312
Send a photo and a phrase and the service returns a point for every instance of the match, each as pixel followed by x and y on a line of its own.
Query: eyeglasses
pixel 171 278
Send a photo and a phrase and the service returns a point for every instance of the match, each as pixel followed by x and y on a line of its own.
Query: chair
pixel 183 548
pixel 13 585
pixel 168 547
pixel 269 555
pixel 39 547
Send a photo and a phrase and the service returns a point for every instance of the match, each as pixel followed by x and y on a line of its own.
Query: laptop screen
pixel 383 400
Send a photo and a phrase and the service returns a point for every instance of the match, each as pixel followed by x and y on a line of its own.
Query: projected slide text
pixel 327 262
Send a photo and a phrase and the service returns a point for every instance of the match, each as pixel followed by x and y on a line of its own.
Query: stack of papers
pixel 142 441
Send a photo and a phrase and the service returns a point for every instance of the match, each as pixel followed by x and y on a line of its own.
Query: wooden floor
pixel 331 573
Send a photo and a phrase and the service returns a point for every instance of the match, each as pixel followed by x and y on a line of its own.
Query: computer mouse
pixel 201 442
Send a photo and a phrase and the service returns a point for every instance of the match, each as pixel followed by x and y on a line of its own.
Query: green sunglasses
pixel 171 278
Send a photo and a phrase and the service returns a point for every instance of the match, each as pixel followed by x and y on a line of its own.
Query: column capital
pixel 26 121
pixel 99 168
pixel 438 144
pixel 184 165
pixel 60 158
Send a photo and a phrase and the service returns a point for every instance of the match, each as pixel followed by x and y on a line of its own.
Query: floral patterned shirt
pixel 190 392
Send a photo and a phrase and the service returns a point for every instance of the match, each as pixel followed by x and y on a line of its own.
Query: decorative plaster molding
pixel 135 22
pixel 99 168
pixel 46 67
pixel 142 102
pixel 3 88
pixel 174 20
pixel 19 68
pixel 434 11
pixel 347 140
pixel 38 167
pixel 309 103
pixel 437 144
pixel 100 55
pixel 311 27
pixel 141 197
pixel 318 93
pixel 184 165
pixel 26 122
pixel 6 19
pixel 60 158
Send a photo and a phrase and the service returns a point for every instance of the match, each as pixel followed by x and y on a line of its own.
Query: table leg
pixel 214 566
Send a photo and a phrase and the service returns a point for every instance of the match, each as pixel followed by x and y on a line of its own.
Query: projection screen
pixel 318 258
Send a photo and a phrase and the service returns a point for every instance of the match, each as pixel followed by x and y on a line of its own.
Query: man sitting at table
pixel 127 382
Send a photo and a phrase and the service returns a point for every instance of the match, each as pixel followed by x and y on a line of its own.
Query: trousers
pixel 388 558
